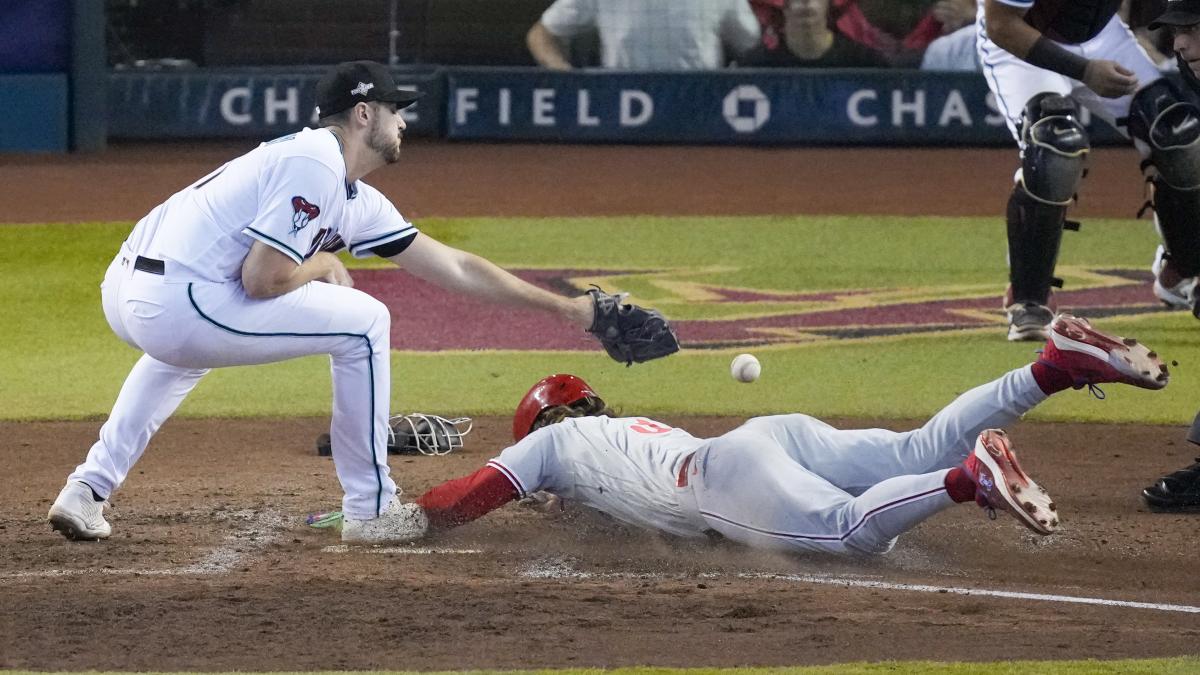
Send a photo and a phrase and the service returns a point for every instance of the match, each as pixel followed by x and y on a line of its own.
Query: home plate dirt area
pixel 211 567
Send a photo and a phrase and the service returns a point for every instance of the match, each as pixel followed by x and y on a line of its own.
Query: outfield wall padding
pixel 744 107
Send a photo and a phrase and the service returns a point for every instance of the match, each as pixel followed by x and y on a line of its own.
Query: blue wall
pixel 747 107
pixel 35 117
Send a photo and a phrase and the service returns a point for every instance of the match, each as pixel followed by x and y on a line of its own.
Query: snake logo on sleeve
pixel 304 212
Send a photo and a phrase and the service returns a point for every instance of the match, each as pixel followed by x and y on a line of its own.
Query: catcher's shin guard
pixel 1177 219
pixel 1162 118
pixel 1034 234
pixel 1054 148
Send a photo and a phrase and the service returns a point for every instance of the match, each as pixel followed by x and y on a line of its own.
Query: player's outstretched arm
pixel 462 272
pixel 1007 28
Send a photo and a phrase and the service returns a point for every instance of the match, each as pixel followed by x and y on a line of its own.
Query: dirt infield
pixel 211 567
pixel 446 179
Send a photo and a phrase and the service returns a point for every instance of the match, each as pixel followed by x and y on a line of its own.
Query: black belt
pixel 149 265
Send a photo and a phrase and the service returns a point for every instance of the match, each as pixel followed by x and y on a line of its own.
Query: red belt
pixel 683 469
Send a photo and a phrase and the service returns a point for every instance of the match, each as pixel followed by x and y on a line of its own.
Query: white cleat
pixel 398 524
pixel 1178 295
pixel 77 515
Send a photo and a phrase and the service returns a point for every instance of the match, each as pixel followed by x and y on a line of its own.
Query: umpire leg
pixel 1178 492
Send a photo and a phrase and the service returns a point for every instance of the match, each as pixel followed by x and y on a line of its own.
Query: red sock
pixel 462 500
pixel 959 486
pixel 1051 380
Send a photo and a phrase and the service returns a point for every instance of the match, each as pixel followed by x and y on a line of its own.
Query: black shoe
pixel 1177 492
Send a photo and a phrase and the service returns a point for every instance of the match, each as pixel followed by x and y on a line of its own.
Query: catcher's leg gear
pixel 628 332
pixel 1055 146
pixel 1162 118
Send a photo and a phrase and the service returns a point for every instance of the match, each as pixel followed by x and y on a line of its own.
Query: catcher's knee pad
pixel 1055 146
pixel 1162 118
pixel 1034 234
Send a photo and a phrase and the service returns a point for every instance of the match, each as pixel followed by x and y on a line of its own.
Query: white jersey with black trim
pixel 627 467
pixel 289 193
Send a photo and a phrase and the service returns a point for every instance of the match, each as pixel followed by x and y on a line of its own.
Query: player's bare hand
pixel 1109 78
pixel 544 502
pixel 336 272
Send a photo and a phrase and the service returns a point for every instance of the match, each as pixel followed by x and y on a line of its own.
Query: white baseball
pixel 745 368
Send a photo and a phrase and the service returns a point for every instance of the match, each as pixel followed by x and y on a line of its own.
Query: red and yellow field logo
pixel 708 316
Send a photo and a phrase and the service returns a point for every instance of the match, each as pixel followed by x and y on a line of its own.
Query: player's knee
pixel 378 317
pixel 1055 147
pixel 1162 118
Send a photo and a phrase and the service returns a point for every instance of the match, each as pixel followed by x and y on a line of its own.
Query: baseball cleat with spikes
pixel 77 515
pixel 1091 357
pixel 1001 484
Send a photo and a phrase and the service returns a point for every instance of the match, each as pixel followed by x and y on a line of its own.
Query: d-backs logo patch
pixel 303 213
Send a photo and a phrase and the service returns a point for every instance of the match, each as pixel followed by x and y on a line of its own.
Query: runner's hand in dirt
pixel 544 502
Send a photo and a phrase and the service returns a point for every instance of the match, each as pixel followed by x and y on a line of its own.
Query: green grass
pixel 58 359
pixel 1175 666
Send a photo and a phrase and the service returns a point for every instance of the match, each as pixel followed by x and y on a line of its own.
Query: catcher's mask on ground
pixel 562 389
pixel 426 434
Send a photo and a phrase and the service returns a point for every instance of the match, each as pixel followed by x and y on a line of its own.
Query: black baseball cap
pixel 356 82
pixel 1179 13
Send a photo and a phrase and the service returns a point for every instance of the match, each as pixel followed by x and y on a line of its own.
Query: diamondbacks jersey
pixel 1067 21
pixel 289 193
pixel 627 467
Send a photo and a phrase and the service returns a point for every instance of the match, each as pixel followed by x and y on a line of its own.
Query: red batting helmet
pixel 550 391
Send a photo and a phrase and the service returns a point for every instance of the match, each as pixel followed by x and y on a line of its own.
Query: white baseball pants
pixel 186 327
pixel 794 482
pixel 1013 82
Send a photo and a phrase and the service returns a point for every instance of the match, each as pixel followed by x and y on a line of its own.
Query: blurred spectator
pixel 899 30
pixel 953 52
pixel 956 50
pixel 647 34
pixel 809 40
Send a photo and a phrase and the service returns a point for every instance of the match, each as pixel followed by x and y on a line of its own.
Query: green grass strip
pixel 58 358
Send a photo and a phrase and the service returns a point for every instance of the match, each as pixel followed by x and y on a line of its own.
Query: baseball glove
pixel 417 434
pixel 1177 492
pixel 628 332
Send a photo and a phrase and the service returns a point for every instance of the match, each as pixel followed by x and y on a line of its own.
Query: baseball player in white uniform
pixel 238 268
pixel 1043 58
pixel 788 481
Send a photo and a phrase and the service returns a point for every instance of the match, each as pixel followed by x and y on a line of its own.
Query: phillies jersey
pixel 1067 21
pixel 627 467
pixel 290 193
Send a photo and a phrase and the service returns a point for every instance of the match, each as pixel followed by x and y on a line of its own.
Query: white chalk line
pixel 255 531
pixel 558 569
pixel 400 550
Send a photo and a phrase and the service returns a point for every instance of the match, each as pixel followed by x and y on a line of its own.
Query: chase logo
pixel 746 109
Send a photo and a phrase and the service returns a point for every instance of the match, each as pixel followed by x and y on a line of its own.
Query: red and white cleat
pixel 1092 357
pixel 1001 485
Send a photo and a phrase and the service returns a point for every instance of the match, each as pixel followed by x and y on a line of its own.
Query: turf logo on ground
pixel 708 316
